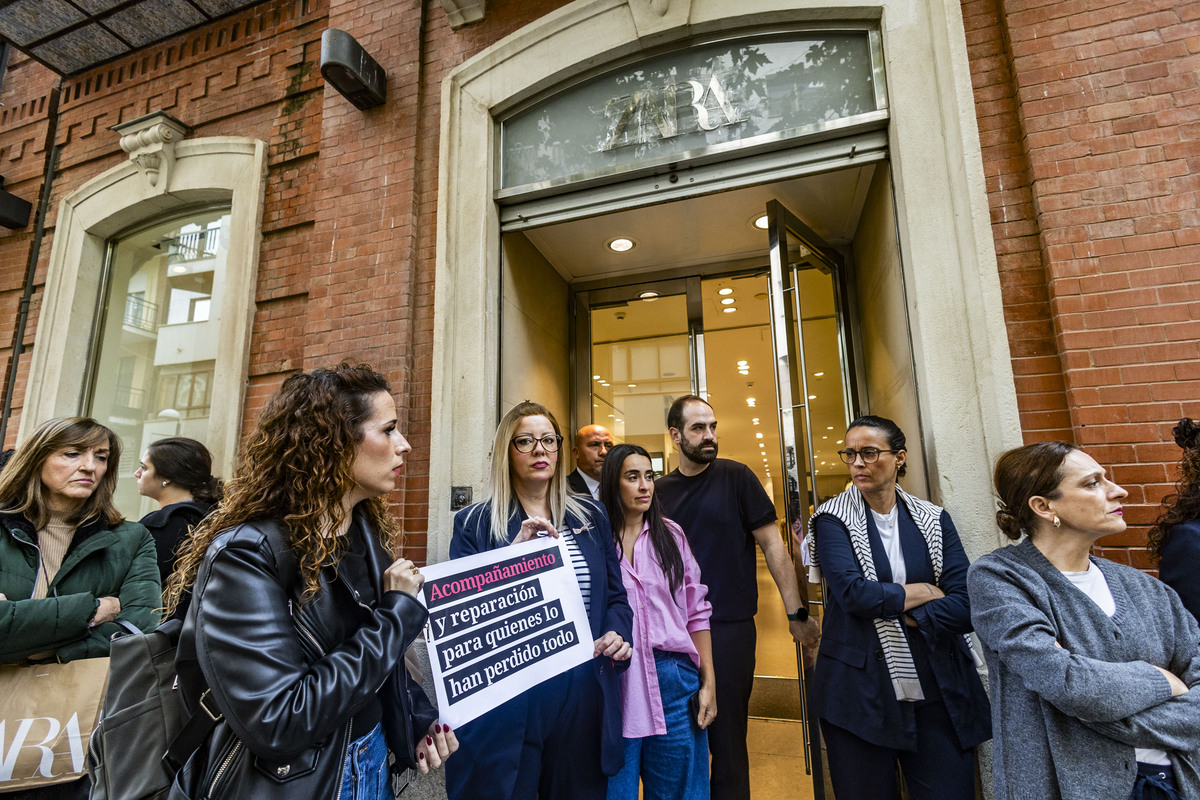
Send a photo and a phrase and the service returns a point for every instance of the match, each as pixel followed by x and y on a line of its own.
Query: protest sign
pixel 501 622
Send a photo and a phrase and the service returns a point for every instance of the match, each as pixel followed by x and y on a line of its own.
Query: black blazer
pixel 576 483
pixel 288 677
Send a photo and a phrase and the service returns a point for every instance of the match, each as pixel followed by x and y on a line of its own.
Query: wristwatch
pixel 800 615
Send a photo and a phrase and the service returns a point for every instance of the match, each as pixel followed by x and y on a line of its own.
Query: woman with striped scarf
pixel 895 683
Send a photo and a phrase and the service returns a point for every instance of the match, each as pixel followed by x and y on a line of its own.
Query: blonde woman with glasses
pixel 562 738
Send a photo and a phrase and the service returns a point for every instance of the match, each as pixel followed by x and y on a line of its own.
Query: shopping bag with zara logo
pixel 47 713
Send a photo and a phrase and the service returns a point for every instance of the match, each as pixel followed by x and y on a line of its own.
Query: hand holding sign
pixel 612 645
pixel 436 747
pixel 403 576
pixel 532 527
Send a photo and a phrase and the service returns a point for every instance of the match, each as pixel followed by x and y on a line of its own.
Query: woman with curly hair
pixel 299 616
pixel 561 738
pixel 1175 537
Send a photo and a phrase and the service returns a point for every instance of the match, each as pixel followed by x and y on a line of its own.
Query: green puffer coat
pixel 118 562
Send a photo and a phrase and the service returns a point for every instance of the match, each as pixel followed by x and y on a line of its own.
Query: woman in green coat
pixel 70 565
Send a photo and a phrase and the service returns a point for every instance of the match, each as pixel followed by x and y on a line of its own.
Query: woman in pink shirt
pixel 668 694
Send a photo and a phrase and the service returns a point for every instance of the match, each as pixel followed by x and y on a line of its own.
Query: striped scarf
pixel 850 508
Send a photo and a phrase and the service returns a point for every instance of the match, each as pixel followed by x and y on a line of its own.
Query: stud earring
pixel 1055 519
pixel 1057 522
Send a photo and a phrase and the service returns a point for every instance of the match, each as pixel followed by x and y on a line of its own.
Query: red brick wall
pixel 347 259
pixel 1089 116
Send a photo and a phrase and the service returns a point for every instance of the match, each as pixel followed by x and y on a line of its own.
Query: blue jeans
pixel 365 776
pixel 673 765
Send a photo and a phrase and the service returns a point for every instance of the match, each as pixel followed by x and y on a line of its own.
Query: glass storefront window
pixel 153 371
pixel 641 361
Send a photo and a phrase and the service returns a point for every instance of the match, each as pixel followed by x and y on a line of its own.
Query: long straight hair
pixel 666 551
pixel 21 488
pixel 501 495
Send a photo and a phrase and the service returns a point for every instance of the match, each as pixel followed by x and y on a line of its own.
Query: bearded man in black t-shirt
pixel 725 512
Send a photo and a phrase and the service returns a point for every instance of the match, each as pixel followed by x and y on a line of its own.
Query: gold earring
pixel 1057 522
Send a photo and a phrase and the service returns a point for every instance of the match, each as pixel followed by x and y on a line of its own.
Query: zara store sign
pixel 707 97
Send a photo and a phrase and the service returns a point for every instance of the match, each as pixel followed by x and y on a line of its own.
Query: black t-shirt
pixel 719 510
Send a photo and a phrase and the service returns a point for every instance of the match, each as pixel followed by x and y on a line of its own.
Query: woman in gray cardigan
pixel 1094 666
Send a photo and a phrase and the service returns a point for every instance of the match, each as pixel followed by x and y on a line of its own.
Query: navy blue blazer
pixel 851 686
pixel 492 742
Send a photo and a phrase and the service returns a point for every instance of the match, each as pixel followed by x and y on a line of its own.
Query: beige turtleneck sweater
pixel 53 541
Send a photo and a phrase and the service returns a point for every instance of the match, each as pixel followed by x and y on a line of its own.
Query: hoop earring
pixel 1056 522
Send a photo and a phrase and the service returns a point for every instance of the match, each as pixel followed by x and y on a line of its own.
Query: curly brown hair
pixel 297 466
pixel 1184 504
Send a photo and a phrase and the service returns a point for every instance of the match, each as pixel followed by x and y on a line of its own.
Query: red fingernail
pixel 437 728
pixel 421 756
pixel 428 740
pixel 445 728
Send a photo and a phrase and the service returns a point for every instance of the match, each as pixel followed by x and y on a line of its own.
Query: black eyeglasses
pixel 869 455
pixel 525 444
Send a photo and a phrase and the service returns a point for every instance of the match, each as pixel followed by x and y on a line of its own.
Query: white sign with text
pixel 501 622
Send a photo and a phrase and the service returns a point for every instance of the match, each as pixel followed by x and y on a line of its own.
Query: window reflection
pixel 153 372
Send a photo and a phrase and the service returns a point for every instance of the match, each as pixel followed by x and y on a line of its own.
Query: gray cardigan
pixel 1067 720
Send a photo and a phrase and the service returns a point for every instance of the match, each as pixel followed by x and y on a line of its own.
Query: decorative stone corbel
pixel 150 141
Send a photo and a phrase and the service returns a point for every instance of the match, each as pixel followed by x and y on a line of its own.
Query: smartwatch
pixel 800 615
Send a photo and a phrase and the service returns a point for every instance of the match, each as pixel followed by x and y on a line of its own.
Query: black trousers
pixel 938 770
pixel 733 662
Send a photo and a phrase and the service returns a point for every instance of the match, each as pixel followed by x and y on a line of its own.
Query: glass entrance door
pixel 813 379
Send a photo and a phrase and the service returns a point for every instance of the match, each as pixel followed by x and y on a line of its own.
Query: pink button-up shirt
pixel 659 623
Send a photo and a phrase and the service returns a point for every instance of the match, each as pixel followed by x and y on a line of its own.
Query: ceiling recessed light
pixel 621 245
pixel 724 291
pixel 758 435
pixel 728 301
pixel 649 297
pixel 755 420
pixel 729 309
pixel 631 385
pixel 595 377
pixel 818 374
pixel 743 363
pixel 760 222
pixel 750 401
pixel 829 427
pixel 178 269
pixel 812 397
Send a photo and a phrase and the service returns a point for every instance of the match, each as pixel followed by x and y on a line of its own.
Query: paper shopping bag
pixel 47 713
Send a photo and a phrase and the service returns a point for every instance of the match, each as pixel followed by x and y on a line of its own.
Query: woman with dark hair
pixel 895 683
pixel 561 738
pixel 1090 662
pixel 70 564
pixel 300 615
pixel 665 746
pixel 177 474
pixel 1175 537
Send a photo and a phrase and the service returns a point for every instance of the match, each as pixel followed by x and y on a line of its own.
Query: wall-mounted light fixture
pixel 347 67
pixel 14 212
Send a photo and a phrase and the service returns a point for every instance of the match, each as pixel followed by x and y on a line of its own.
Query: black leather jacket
pixel 287 677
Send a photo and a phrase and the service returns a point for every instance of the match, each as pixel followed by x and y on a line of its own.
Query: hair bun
pixel 1187 433
pixel 1008 522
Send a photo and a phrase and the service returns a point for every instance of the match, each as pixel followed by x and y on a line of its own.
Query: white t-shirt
pixel 889 532
pixel 1094 585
